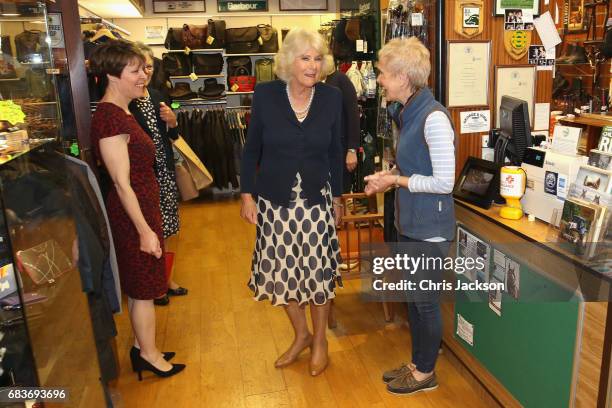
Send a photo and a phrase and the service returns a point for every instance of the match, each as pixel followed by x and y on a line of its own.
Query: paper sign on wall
pixel 475 121
pixel 465 330
pixel 155 33
pixel 55 30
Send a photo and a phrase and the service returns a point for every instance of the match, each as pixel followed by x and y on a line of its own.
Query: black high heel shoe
pixel 144 365
pixel 135 353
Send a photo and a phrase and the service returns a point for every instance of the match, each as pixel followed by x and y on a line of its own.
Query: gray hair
pixel 407 57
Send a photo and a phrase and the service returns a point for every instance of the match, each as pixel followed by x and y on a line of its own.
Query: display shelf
pixel 200 101
pixel 10 79
pixel 201 51
pixel 591 120
pixel 239 93
pixel 199 76
pixel 255 54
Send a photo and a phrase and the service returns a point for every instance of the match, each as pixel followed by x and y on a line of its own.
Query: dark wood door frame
pixel 77 73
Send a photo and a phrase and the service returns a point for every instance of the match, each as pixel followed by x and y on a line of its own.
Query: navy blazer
pixel 278 146
pixel 166 133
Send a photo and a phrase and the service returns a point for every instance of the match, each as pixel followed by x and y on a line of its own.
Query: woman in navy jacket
pixel 291 167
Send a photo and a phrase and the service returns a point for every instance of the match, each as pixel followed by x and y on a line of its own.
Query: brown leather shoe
pixel 285 359
pixel 407 384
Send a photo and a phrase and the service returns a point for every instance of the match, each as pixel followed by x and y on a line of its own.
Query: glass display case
pixel 46 334
pixel 29 107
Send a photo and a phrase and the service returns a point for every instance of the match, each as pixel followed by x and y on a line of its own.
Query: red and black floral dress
pixel 142 275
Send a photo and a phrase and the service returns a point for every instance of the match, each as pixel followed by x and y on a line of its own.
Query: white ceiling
pixel 111 8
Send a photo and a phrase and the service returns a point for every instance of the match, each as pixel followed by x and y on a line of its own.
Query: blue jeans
pixel 425 317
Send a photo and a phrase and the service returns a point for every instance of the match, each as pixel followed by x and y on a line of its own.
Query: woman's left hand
pixel 378 182
pixel 167 115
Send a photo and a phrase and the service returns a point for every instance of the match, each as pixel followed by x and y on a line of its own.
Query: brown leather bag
pixel 269 38
pixel 242 40
pixel 353 29
pixel 194 36
pixel 174 39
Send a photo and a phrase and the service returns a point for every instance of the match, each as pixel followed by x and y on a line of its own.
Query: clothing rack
pixel 94 20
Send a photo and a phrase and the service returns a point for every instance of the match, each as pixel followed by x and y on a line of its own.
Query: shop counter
pixel 546 340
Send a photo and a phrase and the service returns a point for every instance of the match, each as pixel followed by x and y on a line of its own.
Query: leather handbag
pixel 174 39
pixel 269 38
pixel 237 63
pixel 194 36
pixel 207 64
pixel 176 64
pixel 199 173
pixel 242 40
pixel 242 81
pixel 353 29
pixel 44 263
pixel 30 44
pixel 216 33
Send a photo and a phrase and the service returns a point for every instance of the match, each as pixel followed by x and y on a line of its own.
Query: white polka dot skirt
pixel 297 252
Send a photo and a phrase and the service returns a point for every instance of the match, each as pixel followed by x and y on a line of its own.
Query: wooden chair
pixel 355 220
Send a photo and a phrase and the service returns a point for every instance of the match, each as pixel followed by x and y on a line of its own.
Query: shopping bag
pixel 199 173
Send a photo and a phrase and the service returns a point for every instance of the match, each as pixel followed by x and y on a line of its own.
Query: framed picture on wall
pixel 187 6
pixel 467 78
pixel 499 6
pixel 302 5
pixel 224 6
pixel 518 81
pixel 575 18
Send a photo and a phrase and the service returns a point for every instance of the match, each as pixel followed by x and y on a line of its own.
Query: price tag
pixel 359 46
pixel 210 39
pixel 74 149
pixel 235 88
pixel 417 19
pixel 193 76
pixel 53 71
pixel 260 41
pixel 187 50
pixel 365 46
pixel 376 159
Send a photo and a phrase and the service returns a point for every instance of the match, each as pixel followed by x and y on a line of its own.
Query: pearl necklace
pixel 303 113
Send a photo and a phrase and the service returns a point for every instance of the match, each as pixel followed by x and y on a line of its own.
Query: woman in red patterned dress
pixel 133 201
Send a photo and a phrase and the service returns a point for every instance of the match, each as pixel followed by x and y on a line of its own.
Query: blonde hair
pixel 298 41
pixel 407 57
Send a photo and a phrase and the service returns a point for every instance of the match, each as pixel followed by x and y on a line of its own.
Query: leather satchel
pixel 216 31
pixel 176 64
pixel 194 36
pixel 207 64
pixel 236 64
pixel 242 40
pixel 269 38
pixel 174 39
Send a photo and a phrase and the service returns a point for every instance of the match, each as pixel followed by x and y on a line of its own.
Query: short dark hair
pixel 111 58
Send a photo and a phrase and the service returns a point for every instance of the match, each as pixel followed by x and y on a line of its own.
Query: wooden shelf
pixel 256 54
pixel 590 121
pixel 199 76
pixel 201 51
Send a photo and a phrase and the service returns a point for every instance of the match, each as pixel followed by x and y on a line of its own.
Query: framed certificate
pixel 499 6
pixel 467 73
pixel 302 5
pixel 517 81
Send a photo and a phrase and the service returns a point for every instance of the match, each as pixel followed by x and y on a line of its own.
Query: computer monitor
pixel 515 132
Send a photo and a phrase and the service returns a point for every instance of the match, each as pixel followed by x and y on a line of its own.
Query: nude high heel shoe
pixel 284 360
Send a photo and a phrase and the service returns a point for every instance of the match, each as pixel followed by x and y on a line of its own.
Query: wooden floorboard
pixel 230 342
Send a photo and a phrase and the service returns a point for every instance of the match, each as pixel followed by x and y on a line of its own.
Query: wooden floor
pixel 230 342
